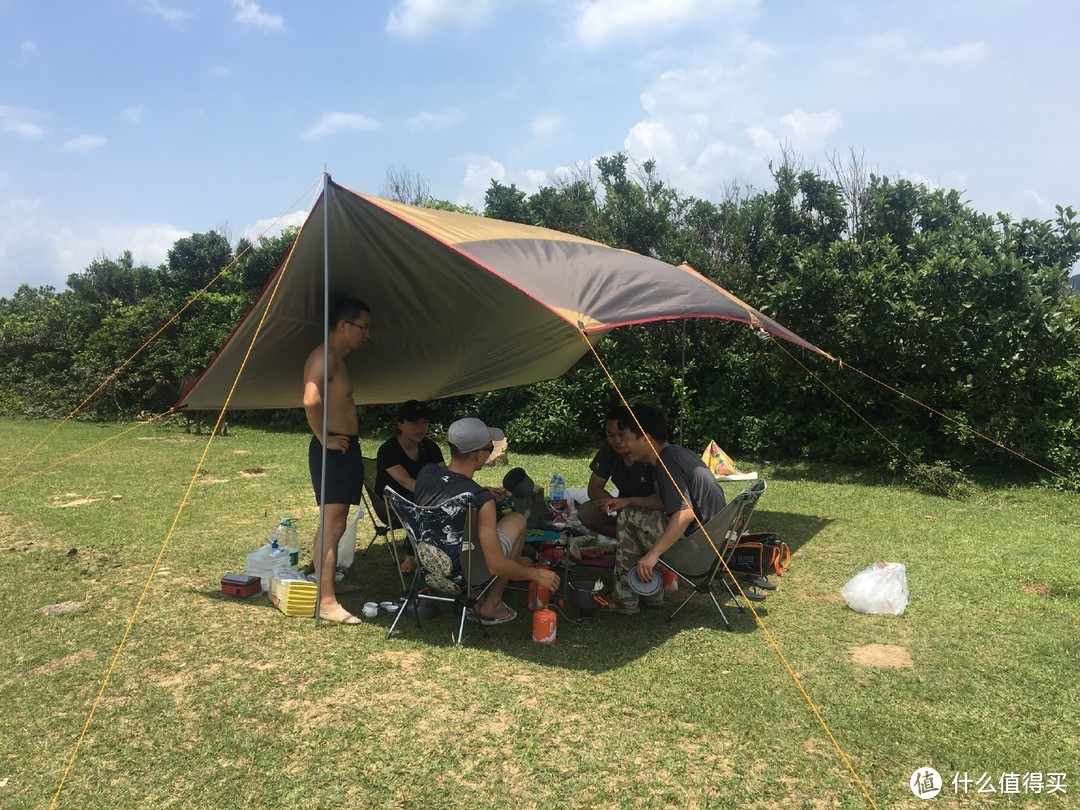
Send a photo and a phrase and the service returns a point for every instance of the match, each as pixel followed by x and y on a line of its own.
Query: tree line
pixel 967 312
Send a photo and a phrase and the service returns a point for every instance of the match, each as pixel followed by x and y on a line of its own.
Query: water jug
pixel 264 560
pixel 545 624
pixel 288 539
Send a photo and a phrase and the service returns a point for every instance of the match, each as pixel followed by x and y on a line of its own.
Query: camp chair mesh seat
pixel 696 559
pixel 377 509
pixel 448 557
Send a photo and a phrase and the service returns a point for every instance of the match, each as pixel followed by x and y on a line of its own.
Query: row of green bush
pixel 967 312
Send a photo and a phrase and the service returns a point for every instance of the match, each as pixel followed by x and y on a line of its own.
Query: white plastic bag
pixel 881 588
pixel 346 549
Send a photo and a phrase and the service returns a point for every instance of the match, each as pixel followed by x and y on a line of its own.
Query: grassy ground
pixel 216 702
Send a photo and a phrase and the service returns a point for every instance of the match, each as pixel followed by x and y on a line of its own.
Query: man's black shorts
pixel 344 472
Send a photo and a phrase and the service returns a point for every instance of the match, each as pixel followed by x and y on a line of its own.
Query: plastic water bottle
pixel 288 538
pixel 557 488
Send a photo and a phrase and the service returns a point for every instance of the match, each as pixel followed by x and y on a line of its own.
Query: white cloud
pixel 535 178
pixel 545 126
pixel 36 250
pixel 149 244
pixel 334 122
pixel 808 131
pixel 919 179
pixel 133 115
pixel 433 121
pixel 480 170
pixel 967 54
pixel 601 21
pixel 268 228
pixel 651 139
pixel 18 121
pixel 884 42
pixel 220 72
pixel 249 15
pixel 28 47
pixel 417 18
pixel 167 13
pixel 83 144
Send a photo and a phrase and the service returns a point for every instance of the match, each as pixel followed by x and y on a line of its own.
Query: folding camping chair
pixel 699 559
pixel 377 510
pixel 448 556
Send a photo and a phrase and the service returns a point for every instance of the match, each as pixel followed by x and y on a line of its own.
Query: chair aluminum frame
pixel 705 555
pixel 381 522
pixel 473 577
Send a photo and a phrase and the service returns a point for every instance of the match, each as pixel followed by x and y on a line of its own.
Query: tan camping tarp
pixel 459 304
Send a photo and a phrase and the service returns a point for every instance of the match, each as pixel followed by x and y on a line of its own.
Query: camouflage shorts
pixel 638 529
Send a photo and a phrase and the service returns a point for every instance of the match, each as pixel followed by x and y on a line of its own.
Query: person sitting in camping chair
pixel 501 540
pixel 634 481
pixel 688 492
pixel 401 458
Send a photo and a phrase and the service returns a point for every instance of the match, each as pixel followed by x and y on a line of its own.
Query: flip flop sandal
pixel 509 616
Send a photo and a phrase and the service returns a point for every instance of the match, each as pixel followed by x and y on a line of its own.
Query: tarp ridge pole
pixel 325 400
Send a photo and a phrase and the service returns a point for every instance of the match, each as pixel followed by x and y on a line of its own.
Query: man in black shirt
pixel 634 482
pixel 501 541
pixel 690 498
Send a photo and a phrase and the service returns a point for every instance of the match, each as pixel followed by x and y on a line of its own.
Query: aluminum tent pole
pixel 325 400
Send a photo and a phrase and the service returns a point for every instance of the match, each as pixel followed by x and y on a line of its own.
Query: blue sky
pixel 126 124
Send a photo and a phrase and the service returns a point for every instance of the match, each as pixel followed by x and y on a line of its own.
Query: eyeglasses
pixel 365 328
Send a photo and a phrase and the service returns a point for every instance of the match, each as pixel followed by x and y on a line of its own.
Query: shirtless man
pixel 350 328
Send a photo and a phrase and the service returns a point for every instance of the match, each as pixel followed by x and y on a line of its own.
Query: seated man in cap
pixel 688 492
pixel 634 481
pixel 501 541
pixel 401 458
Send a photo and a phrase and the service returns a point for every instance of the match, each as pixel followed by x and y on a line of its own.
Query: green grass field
pixel 217 702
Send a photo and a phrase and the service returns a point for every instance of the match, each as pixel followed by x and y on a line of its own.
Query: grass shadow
pixel 794 528
pixel 606 643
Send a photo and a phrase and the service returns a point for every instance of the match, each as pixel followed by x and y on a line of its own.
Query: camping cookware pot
pixel 585 596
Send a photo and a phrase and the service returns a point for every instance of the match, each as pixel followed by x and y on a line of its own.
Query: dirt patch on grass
pixel 76 502
pixel 1036 588
pixel 887 656
pixel 170 439
pixel 253 471
pixel 58 664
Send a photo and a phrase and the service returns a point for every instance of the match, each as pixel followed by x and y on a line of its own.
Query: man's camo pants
pixel 637 530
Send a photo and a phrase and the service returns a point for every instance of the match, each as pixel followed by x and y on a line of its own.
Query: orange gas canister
pixel 539 596
pixel 671 579
pixel 545 623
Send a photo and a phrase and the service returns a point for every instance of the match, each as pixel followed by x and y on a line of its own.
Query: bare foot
pixel 408 565
pixel 338 615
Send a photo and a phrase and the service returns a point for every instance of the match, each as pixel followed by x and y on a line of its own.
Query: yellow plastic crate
pixel 293 597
